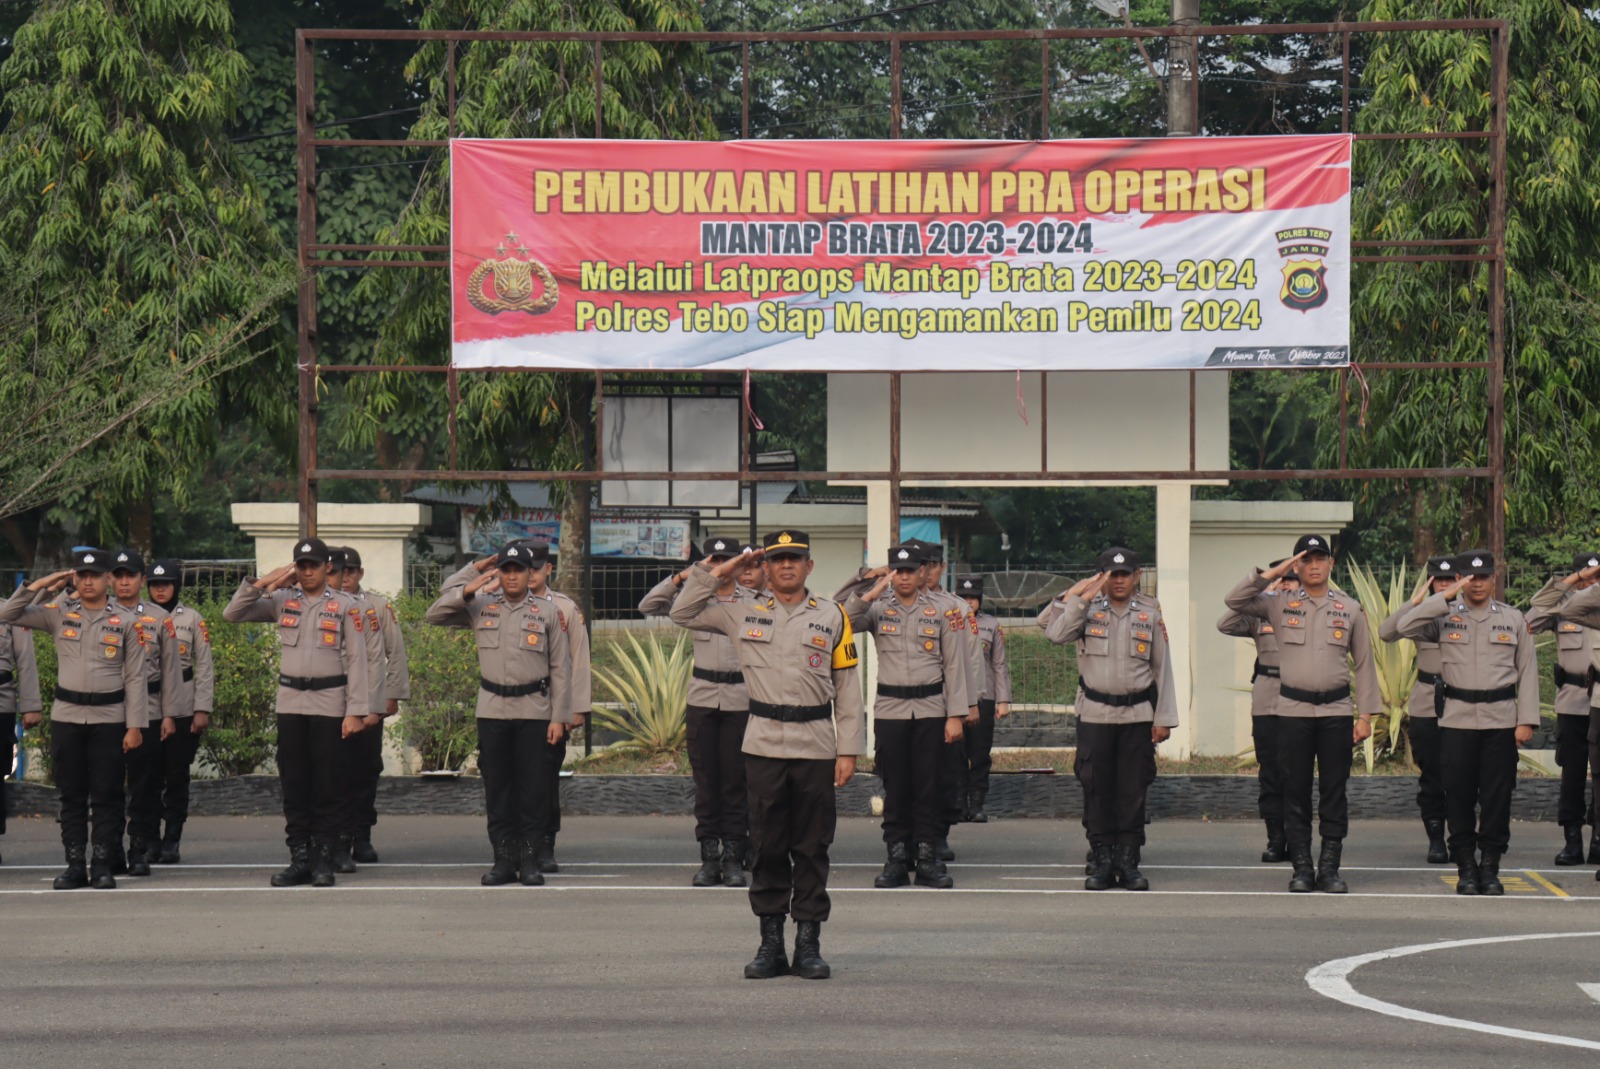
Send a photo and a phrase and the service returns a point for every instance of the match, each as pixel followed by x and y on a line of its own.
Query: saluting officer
pixel 1125 708
pixel 19 693
pixel 322 700
pixel 192 714
pixel 806 728
pixel 1574 674
pixel 163 683
pixel 1422 711
pixel 100 709
pixel 1321 633
pixel 920 706
pixel 1264 715
pixel 994 700
pixel 1491 706
pixel 580 688
pixel 524 674
pixel 717 714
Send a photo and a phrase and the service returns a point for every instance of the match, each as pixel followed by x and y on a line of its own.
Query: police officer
pixel 1422 716
pixel 1264 716
pixel 1321 633
pixel 1574 684
pixel 524 674
pixel 797 652
pixel 1491 706
pixel 192 714
pixel 100 710
pixel 1125 708
pixel 717 713
pixel 920 706
pixel 579 693
pixel 365 750
pixel 164 671
pixel 994 700
pixel 1580 604
pixel 19 693
pixel 322 700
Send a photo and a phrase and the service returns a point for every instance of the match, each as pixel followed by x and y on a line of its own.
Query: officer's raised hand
pixel 1087 588
pixel 1455 588
pixel 1283 567
pixel 483 580
pixel 733 565
pixel 55 581
pixel 877 588
pixel 486 563
pixel 276 578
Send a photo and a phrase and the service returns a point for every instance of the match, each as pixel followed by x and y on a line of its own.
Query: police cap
pixel 1118 559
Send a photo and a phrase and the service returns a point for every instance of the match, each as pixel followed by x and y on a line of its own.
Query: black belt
pixel 79 697
pixel 1429 679
pixel 5 677
pixel 154 687
pixel 1260 669
pixel 519 690
pixel 792 714
pixel 922 690
pixel 1565 678
pixel 312 682
pixel 718 677
pixel 1480 697
pixel 1120 701
pixel 188 675
pixel 1314 697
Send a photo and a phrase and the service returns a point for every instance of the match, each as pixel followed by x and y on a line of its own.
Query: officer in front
pixel 322 699
pixel 192 716
pixel 580 691
pixel 806 729
pixel 1264 716
pixel 994 700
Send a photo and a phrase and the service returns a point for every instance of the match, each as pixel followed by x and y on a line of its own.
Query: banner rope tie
pixel 1022 405
pixel 755 421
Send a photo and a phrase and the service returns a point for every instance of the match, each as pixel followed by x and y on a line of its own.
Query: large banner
pixel 901 255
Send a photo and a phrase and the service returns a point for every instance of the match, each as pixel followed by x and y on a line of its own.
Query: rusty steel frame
pixel 1492 251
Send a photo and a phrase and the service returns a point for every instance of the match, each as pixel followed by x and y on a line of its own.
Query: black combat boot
pixel 1466 871
pixel 929 872
pixel 339 855
pixel 100 868
pixel 1438 854
pixel 1125 868
pixel 322 863
pixel 1088 862
pixel 169 854
pixel 547 853
pixel 138 857
pixel 505 865
pixel 894 872
pixel 975 800
pixel 749 858
pixel 942 850
pixel 710 874
pixel 733 863
pixel 299 870
pixel 361 850
pixel 1489 873
pixel 770 959
pixel 808 963
pixel 1100 875
pixel 1277 846
pixel 119 859
pixel 1304 877
pixel 76 874
pixel 1594 848
pixel 528 864
pixel 1572 852
pixel 1328 879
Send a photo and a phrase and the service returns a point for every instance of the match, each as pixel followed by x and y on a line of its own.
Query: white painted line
pixel 1332 979
pixel 1592 990
pixel 1270 870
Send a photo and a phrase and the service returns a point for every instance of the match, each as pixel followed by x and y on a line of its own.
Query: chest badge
pixel 533 640
pixel 111 651
pixel 1338 633
pixel 330 638
pixel 815 660
pixel 755 632
pixel 822 643
pixel 929 645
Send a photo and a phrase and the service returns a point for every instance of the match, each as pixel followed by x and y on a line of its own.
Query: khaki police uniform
pixel 580 701
pixel 1574 675
pixel 195 693
pixel 978 739
pixel 1422 718
pixel 1263 714
pixel 19 693
pixel 389 679
pixel 164 683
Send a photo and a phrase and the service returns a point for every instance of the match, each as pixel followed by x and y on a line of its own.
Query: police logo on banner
pixel 1305 279
pixel 506 284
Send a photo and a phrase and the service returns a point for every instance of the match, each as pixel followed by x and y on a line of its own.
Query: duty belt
pixel 921 690
pixel 792 714
pixel 312 682
pixel 718 677
pixel 1565 678
pixel 154 688
pixel 1315 697
pixel 1120 701
pixel 80 697
pixel 1429 679
pixel 1260 669
pixel 1480 697
pixel 5 677
pixel 518 690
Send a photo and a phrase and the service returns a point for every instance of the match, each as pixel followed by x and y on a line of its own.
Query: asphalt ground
pixel 617 961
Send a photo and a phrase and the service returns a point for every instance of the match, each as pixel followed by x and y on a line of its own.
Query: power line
pixel 324 125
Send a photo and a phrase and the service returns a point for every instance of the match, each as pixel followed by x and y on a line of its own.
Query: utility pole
pixel 1183 73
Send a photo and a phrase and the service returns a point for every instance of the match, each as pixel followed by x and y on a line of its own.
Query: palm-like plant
pixel 650 685
pixel 1395 662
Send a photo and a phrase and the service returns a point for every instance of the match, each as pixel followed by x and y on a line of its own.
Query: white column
pixel 377 532
pixel 880 536
pixel 1173 505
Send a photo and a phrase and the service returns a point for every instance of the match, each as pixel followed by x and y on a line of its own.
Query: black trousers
pixel 144 785
pixel 907 755
pixel 978 740
pixel 1319 745
pixel 1572 754
pixel 311 772
pixel 1430 776
pixel 792 821
pixel 1269 774
pixel 558 757
pixel 1116 763
pixel 177 759
pixel 1480 772
pixel 363 757
pixel 89 770
pixel 952 784
pixel 8 752
pixel 716 756
pixel 514 760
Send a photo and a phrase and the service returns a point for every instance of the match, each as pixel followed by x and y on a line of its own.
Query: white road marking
pixel 1332 979
pixel 1592 990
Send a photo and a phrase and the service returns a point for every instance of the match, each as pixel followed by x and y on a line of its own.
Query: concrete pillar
pixel 1174 502
pixel 377 532
pixel 880 536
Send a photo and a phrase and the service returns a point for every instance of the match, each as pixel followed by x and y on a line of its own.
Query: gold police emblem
pixel 784 539
pixel 506 284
